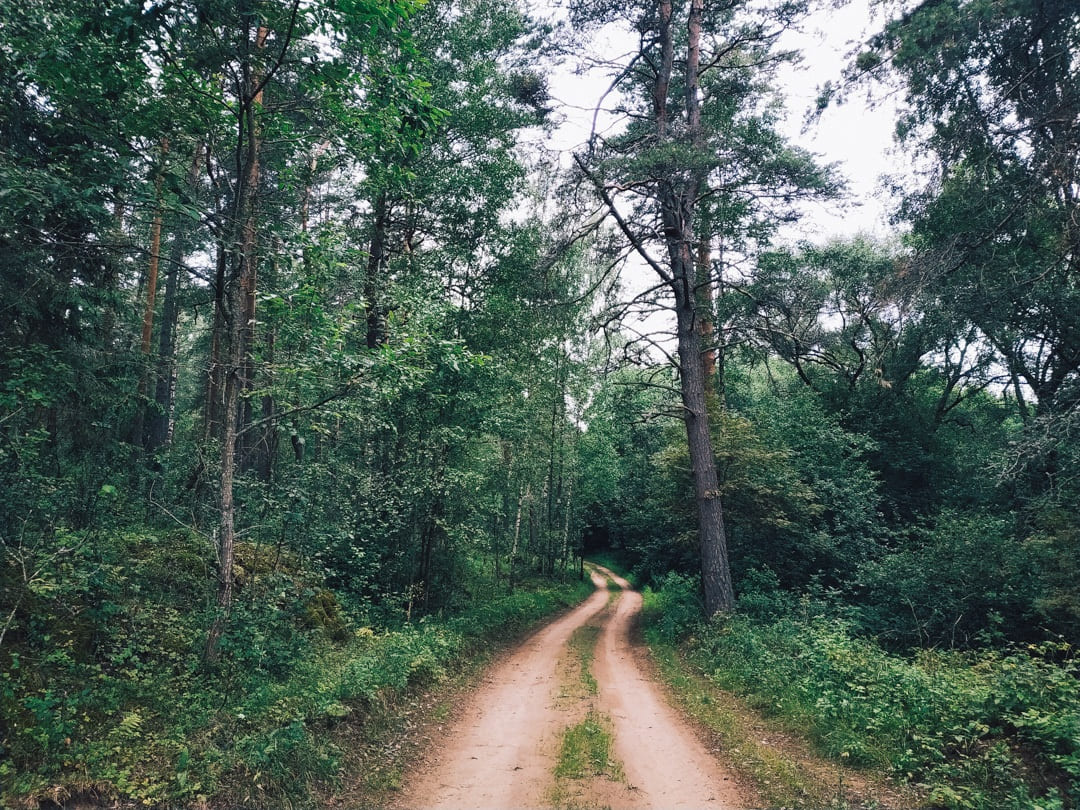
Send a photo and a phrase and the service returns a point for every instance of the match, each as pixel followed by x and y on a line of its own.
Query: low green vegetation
pixel 582 644
pixel 585 747
pixel 979 729
pixel 586 750
pixel 780 779
pixel 124 707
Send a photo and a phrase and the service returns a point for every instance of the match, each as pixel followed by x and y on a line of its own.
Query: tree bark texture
pixel 148 306
pixel 159 429
pixel 678 197
pixel 715 568
pixel 214 382
pixel 240 314
pixel 373 281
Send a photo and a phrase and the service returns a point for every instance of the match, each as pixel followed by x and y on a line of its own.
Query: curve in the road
pixel 502 753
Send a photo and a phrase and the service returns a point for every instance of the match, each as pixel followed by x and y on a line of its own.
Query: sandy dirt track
pixel 664 761
pixel 502 753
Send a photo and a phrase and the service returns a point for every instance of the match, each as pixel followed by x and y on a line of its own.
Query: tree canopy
pixel 309 342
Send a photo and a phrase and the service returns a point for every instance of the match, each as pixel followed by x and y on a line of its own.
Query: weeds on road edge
pixel 258 730
pixel 586 750
pixel 582 644
pixel 981 730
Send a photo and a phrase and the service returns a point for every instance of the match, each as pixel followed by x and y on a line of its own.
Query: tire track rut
pixel 664 761
pixel 502 753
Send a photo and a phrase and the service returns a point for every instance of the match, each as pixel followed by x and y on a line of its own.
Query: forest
pixel 323 372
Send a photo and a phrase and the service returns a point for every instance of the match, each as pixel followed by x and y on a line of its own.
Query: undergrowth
pixel 982 730
pixel 114 702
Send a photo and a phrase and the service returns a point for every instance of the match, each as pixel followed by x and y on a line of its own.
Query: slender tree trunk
pixel 226 528
pixel 260 451
pixel 212 420
pixel 532 548
pixel 148 307
pixel 159 431
pixel 241 296
pixel 566 522
pixel 152 272
pixel 305 201
pixel 552 446
pixel 268 435
pixel 112 267
pixel 376 328
pixel 667 63
pixel 522 495
pixel 158 427
pixel 249 440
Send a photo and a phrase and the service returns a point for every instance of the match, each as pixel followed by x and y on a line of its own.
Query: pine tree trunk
pixel 159 430
pixel 678 199
pixel 706 307
pixel 153 265
pixel 376 328
pixel 715 569
pixel 241 296
pixel 212 418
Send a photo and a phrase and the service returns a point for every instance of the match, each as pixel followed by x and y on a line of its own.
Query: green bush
pixel 676 608
pixel 103 688
pixel 981 729
pixel 760 595
pixel 964 579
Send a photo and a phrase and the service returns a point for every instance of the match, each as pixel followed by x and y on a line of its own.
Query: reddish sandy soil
pixel 503 751
pixel 662 757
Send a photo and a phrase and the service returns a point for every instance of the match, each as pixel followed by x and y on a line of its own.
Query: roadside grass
pixel 613 590
pixel 759 749
pixel 395 732
pixel 582 645
pixel 976 730
pixel 146 722
pixel 979 730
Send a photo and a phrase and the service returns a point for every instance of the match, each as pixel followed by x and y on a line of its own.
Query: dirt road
pixel 503 752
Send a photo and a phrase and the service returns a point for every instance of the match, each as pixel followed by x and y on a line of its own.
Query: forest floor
pixel 579 717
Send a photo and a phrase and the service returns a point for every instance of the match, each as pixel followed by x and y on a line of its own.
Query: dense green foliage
pixel 986 729
pixel 310 368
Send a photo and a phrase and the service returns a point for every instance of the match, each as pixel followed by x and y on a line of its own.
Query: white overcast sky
pixel 852 135
pixel 855 135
